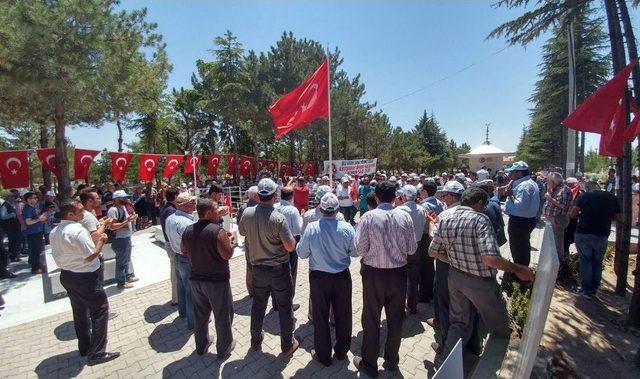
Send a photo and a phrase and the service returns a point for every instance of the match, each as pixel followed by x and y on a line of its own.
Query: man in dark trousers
pixel 209 249
pixel 78 258
pixel 269 242
pixel 34 219
pixel 165 212
pixel 328 243
pixel 384 239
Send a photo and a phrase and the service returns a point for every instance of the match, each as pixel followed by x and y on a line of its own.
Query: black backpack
pixel 111 234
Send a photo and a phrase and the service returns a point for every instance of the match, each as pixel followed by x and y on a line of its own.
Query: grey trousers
pixel 174 282
pixel 466 291
pixel 216 297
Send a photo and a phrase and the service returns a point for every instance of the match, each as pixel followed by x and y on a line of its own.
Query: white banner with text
pixel 352 167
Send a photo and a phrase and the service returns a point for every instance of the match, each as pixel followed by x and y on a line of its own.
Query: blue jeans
pixel 591 249
pixel 122 248
pixel 185 304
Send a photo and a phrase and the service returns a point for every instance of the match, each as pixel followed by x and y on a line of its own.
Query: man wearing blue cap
pixel 329 244
pixel 268 241
pixel 523 201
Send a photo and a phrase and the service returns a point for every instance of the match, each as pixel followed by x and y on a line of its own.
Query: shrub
pixel 519 306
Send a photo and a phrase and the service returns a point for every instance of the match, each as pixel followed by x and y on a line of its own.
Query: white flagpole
pixel 329 108
pixel 196 190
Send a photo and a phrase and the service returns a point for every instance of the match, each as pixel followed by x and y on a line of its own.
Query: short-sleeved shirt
pixel 70 245
pixel 346 193
pixel 292 215
pixel 125 231
pixel 597 210
pixel 31 212
pixel 265 230
pixel 465 235
pixel 89 221
pixel 363 191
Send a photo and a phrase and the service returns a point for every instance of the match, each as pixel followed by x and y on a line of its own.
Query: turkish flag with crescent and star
pixel 611 139
pixel 597 112
pixel 213 161
pixel 192 162
pixel 82 160
pixel 271 166
pixel 305 104
pixel 14 169
pixel 147 166
pixel 171 165
pixel 284 169
pixel 48 159
pixel 231 164
pixel 310 168
pixel 119 164
pixel 246 164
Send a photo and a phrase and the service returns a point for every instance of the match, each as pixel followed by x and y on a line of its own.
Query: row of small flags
pixel 14 166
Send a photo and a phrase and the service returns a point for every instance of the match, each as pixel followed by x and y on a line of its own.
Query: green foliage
pixel 519 306
pixel 434 142
pixel 542 144
pixel 595 163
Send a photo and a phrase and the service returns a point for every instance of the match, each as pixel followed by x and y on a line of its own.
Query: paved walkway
pixel 155 343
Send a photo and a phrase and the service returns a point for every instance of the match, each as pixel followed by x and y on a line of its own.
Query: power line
pixel 445 77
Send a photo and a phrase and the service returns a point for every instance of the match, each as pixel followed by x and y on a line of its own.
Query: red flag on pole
pixel 48 159
pixel 245 165
pixel 171 165
pixel 631 131
pixel 14 169
pixel 594 115
pixel 305 104
pixel 284 169
pixel 192 163
pixel 310 168
pixel 119 164
pixel 231 162
pixel 147 165
pixel 271 166
pixel 213 161
pixel 611 140
pixel 82 160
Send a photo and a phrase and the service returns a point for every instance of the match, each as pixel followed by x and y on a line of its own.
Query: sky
pixel 398 47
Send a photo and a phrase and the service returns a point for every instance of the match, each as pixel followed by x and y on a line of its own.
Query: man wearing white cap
pixel 523 202
pixel 346 203
pixel 328 243
pixel 123 226
pixel 417 213
pixel 314 214
pixel 269 242
pixel 292 215
pixel 175 226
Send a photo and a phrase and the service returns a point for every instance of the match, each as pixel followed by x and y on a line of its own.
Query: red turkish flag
pixel 310 168
pixel 171 165
pixel 231 163
pixel 82 160
pixel 271 166
pixel 119 164
pixel 262 163
pixel 305 104
pixel 213 161
pixel 48 159
pixel 192 162
pixel 14 169
pixel 246 164
pixel 147 166
pixel 594 115
pixel 631 131
pixel 611 140
pixel 284 169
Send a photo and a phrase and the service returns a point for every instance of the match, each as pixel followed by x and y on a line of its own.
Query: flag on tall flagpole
pixel 305 104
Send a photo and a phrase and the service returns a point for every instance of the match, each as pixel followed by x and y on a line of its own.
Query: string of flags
pixel 14 165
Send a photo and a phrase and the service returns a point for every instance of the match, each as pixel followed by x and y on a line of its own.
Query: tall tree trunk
pixel 236 164
pixel 120 132
pixel 64 183
pixel 292 151
pixel 634 306
pixel 44 142
pixel 623 166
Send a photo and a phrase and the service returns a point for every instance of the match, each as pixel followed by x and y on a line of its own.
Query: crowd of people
pixel 419 240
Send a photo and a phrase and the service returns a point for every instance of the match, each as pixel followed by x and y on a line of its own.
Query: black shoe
pixel 225 354
pixel 357 361
pixel 389 367
pixel 102 358
pixel 205 350
pixel 295 307
pixel 84 353
pixel 340 357
pixel 315 357
pixel 8 275
pixel 16 259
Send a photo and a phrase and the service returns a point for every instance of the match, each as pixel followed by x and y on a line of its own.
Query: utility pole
pixel 571 134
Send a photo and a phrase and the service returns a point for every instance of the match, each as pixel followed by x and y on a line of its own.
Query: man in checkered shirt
pixel 464 238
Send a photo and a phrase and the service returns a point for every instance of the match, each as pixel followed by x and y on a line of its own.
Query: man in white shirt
pixel 345 200
pixel 75 253
pixel 292 215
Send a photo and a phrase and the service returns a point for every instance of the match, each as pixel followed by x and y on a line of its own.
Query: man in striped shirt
pixel 384 238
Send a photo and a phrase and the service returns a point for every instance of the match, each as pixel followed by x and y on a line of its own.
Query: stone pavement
pixel 154 342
